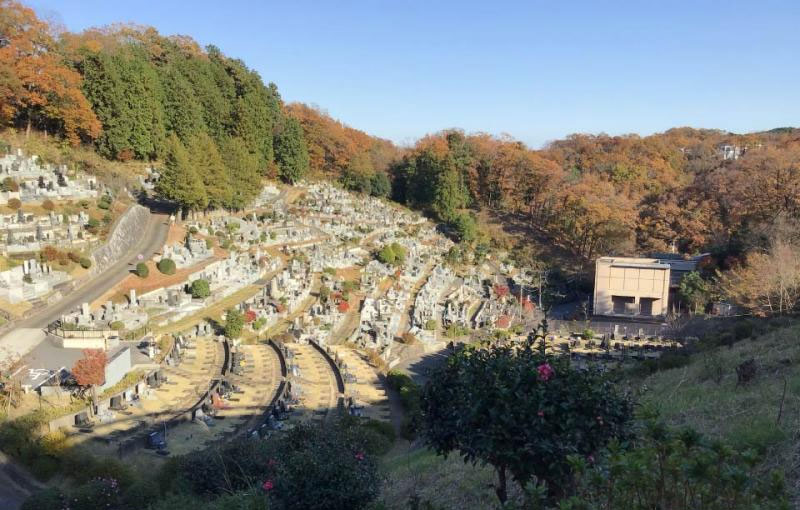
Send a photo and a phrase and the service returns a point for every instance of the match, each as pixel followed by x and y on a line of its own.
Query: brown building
pixel 638 287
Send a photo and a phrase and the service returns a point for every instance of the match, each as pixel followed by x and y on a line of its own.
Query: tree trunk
pixel 28 127
pixel 501 489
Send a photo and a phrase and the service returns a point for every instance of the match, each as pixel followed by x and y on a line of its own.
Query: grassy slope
pixel 446 483
pixel 704 395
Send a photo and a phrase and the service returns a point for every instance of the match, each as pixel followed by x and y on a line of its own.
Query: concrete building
pixel 638 287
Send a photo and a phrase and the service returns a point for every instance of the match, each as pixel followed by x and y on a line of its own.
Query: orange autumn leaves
pixel 37 87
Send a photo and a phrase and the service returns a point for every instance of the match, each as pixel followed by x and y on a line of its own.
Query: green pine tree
pixel 291 152
pixel 179 182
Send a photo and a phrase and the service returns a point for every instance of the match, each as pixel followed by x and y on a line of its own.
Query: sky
pixel 536 71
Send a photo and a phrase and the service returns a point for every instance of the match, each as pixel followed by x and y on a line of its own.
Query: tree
pixel 234 322
pixel 14 203
pixel 386 255
pixel 242 168
pixel 693 290
pixel 450 193
pixel 380 184
pixel 200 289
pixel 48 205
pixel 291 152
pixel 207 162
pixel 90 371
pixel 37 87
pixel 179 182
pixel 465 227
pixel 767 283
pixel 521 411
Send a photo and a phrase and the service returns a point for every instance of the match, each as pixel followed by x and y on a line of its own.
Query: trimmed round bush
pixel 142 271
pixel 85 263
pixel 14 203
pixel 200 289
pixel 166 266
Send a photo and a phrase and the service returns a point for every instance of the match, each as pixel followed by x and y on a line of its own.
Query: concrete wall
pixel 117 367
pixel 632 278
pixel 127 233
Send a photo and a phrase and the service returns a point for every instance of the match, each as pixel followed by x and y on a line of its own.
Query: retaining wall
pixel 127 233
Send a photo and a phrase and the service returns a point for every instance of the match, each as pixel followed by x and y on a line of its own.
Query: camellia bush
pixel 521 411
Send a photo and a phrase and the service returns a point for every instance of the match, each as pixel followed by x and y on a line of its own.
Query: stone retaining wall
pixel 127 233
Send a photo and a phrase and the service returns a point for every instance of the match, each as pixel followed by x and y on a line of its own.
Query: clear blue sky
pixel 535 70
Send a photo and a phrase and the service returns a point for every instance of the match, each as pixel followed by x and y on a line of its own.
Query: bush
pixel 48 205
pixel 85 262
pixel 117 325
pixel 74 257
pixel 49 254
pixel 97 494
pixel 430 324
pixel 14 203
pixel 309 466
pixel 46 499
pixel 200 289
pixel 93 225
pixel 104 202
pixel 671 469
pixel 743 330
pixel 192 230
pixel 10 184
pixel 142 271
pixel 409 393
pixel 522 411
pixel 166 266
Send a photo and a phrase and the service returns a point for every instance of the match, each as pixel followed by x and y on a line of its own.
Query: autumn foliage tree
pixel 37 86
pixel 90 370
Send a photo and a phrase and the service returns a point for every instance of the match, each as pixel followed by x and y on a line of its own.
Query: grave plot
pixel 246 395
pixel 184 385
pixel 363 385
pixel 313 383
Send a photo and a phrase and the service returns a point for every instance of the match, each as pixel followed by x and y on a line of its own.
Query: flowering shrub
pixel 521 411
pixel 310 466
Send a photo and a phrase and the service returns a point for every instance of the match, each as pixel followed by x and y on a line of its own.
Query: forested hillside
pixel 214 129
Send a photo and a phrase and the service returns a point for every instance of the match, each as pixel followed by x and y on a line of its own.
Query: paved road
pixel 26 333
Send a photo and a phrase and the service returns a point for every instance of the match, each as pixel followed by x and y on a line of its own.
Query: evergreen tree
pixel 451 194
pixel 291 152
pixel 207 163
pixel 184 114
pixel 242 168
pixel 179 182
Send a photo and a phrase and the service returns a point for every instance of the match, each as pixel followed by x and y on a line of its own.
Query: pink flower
pixel 590 458
pixel 359 456
pixel 541 414
pixel 267 485
pixel 271 462
pixel 545 371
